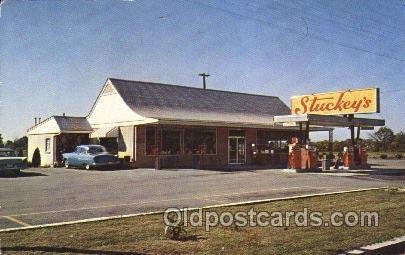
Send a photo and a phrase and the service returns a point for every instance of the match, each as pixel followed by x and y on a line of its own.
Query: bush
pixel 398 156
pixel 383 156
pixel 36 158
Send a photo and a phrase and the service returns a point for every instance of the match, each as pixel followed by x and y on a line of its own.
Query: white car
pixel 10 163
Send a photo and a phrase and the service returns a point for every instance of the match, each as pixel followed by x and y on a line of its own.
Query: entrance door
pixel 236 150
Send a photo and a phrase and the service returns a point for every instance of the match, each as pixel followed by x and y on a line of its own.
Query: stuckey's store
pixel 180 126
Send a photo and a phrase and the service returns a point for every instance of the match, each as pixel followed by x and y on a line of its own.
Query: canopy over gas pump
pixel 332 110
pixel 306 122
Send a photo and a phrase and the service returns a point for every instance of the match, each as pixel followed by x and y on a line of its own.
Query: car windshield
pixel 7 154
pixel 96 150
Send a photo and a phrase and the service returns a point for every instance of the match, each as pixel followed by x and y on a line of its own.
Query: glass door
pixel 236 150
pixel 241 150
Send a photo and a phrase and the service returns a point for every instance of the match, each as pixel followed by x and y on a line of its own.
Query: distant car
pixel 89 156
pixel 10 163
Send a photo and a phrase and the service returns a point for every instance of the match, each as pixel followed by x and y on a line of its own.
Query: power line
pixel 338 24
pixel 324 4
pixel 359 29
pixel 382 14
pixel 294 31
pixel 342 26
pixel 392 91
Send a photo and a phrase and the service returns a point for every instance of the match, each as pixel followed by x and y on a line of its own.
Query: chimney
pixel 39 120
pixel 35 121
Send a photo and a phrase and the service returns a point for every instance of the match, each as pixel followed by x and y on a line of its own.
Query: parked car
pixel 10 163
pixel 89 156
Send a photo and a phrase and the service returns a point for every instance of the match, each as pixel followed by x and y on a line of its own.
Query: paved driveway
pixel 55 195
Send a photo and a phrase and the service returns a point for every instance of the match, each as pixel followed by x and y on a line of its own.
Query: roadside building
pixel 56 135
pixel 182 126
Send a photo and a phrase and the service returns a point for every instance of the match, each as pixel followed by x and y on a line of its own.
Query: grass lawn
pixel 145 234
pixel 390 155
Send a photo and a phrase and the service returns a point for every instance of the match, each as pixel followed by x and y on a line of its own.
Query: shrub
pixel 383 156
pixel 36 158
pixel 398 156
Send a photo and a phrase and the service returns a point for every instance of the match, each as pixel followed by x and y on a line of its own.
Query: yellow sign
pixel 341 102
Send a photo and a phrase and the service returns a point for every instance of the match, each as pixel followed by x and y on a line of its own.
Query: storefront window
pixel 171 142
pixel 237 132
pixel 151 145
pixel 269 141
pixel 200 141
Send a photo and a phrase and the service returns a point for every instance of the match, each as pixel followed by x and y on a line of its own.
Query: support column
pixel 350 118
pixel 358 134
pixel 306 131
pixel 330 144
pixel 301 134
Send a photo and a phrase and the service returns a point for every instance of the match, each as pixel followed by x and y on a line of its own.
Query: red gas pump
pixel 308 157
pixel 302 157
pixel 363 156
pixel 348 157
pixel 355 157
pixel 294 155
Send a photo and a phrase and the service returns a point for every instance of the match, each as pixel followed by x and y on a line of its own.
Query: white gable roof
pixel 61 124
pixel 111 110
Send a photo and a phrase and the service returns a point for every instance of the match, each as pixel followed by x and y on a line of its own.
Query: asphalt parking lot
pixel 51 195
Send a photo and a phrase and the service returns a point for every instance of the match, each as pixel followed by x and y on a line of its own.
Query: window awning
pixel 105 132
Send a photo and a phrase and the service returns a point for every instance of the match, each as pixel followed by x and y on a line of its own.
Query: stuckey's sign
pixel 341 102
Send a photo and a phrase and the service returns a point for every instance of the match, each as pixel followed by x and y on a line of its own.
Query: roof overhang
pixel 105 132
pixel 328 121
pixel 270 125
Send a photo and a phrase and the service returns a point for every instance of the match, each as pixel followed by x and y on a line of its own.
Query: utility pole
pixel 204 75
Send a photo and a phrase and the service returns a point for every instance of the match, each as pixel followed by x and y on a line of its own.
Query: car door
pixel 74 159
pixel 82 157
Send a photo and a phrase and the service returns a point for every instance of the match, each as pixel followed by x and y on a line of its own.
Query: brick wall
pixel 193 161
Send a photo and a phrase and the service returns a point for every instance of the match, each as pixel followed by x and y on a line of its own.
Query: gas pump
pixel 309 157
pixel 362 156
pixel 294 154
pixel 355 157
pixel 348 157
pixel 302 156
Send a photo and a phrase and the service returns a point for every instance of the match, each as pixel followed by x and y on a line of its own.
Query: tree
pixel 322 145
pixel 21 145
pixel 383 138
pixel 36 158
pixel 1 142
pixel 398 144
pixel 9 144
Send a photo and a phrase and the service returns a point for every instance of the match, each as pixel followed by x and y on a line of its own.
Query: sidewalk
pixel 392 247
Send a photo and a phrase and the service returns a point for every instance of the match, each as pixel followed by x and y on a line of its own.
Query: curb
pixel 251 202
pixel 393 246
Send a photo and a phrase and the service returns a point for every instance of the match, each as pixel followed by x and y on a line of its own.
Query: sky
pixel 56 55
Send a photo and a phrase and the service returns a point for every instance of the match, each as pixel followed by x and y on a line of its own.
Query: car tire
pixel 87 167
pixel 67 164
